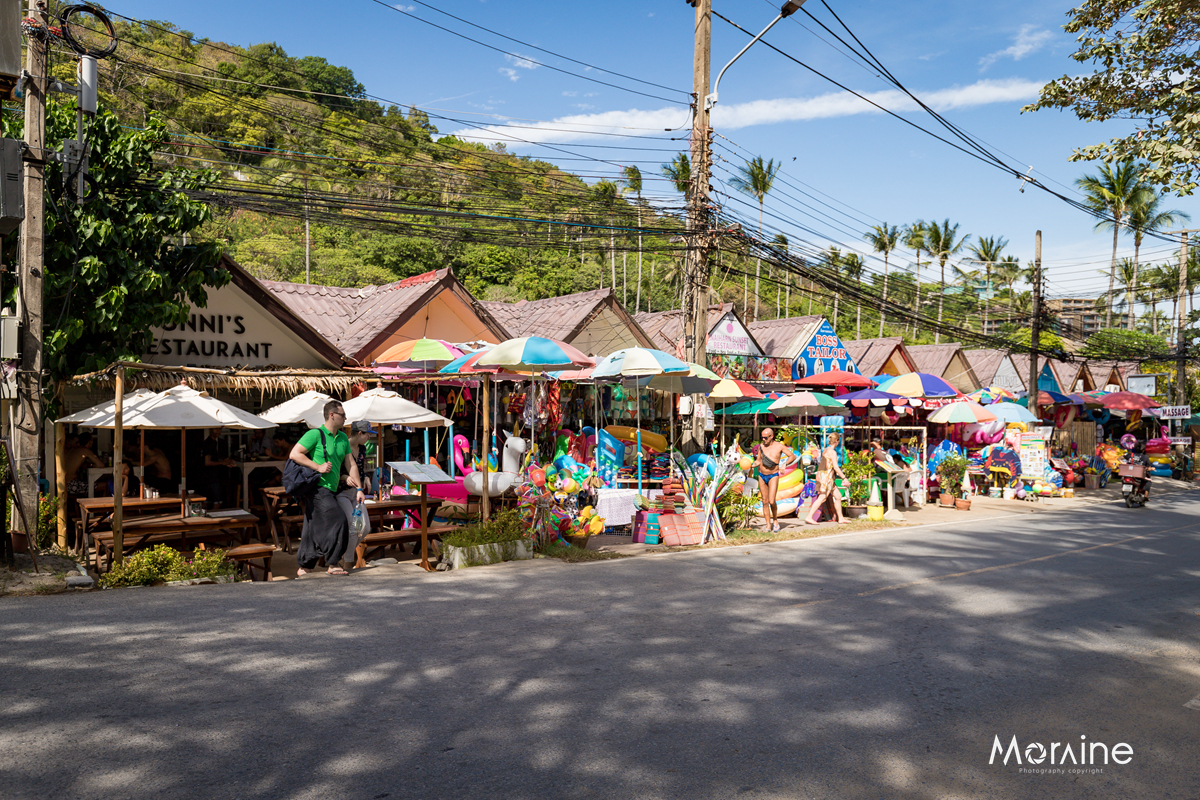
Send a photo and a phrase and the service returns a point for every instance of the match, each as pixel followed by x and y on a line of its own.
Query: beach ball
pixel 746 463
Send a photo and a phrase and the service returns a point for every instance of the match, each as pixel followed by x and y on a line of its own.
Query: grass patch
pixel 748 536
pixel 49 588
pixel 575 555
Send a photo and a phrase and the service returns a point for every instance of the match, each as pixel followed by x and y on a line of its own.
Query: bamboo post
pixel 486 450
pixel 60 480
pixel 118 454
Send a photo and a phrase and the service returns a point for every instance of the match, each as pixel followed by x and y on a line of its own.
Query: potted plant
pixel 859 470
pixel 950 476
pixel 502 538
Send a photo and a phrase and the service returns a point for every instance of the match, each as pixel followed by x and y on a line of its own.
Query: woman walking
pixel 349 496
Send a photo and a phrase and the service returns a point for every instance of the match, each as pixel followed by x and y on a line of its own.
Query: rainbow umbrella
pixel 992 394
pixel 837 377
pixel 533 354
pixel 732 389
pixel 420 350
pixel 872 397
pixel 967 411
pixel 466 363
pixel 918 384
pixel 807 404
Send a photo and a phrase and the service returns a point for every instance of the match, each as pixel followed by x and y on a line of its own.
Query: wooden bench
pixel 245 555
pixel 378 541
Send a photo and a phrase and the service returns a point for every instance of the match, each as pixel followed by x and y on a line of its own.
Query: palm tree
pixel 854 264
pixel 988 253
pixel 1126 285
pixel 1113 193
pixel 631 181
pixel 1147 217
pixel 941 240
pixel 781 241
pixel 883 239
pixel 833 262
pixel 1008 272
pixel 679 172
pixel 755 178
pixel 914 239
pixel 606 196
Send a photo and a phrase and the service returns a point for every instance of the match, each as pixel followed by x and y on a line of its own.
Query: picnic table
pixel 95 511
pixel 250 466
pixel 95 473
pixel 387 518
pixel 187 532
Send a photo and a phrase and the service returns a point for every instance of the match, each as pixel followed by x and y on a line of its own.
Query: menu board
pixel 1033 455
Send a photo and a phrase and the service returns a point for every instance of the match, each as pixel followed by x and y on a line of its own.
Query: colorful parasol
pixel 967 411
pixel 1128 401
pixel 423 351
pixel 640 361
pixel 919 384
pixel 533 353
pixel 837 377
pixel 992 394
pixel 806 404
pixel 1012 412
pixel 872 397
pixel 731 389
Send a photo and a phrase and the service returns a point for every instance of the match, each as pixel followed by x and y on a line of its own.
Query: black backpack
pixel 300 481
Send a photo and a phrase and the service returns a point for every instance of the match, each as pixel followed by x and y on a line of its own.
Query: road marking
pixel 982 570
pixel 1193 704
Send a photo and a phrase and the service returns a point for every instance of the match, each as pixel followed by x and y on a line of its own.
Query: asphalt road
pixel 875 665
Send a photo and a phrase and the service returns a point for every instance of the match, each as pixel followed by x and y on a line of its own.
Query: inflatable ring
pixel 1099 415
pixel 1064 416
pixel 1021 426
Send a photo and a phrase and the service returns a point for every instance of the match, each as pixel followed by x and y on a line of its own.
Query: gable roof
pixel 784 337
pixel 357 320
pixel 936 359
pixel 665 328
pixel 985 362
pixel 870 355
pixel 259 292
pixel 564 318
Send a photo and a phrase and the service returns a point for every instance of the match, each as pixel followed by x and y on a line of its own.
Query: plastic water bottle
pixel 359 522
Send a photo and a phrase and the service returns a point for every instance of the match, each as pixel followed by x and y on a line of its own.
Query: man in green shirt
pixel 325 532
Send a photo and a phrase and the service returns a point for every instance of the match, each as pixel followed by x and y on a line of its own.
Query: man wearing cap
pixel 350 496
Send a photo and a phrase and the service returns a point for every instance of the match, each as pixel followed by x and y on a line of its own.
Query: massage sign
pixel 209 336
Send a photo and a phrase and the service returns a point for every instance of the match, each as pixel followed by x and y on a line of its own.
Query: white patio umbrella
pixel 107 409
pixel 385 407
pixel 306 408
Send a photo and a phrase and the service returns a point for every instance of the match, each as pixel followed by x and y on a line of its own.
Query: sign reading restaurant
pixel 220 329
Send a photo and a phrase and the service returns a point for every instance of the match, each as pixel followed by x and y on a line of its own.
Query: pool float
pixel 785 506
pixel 628 435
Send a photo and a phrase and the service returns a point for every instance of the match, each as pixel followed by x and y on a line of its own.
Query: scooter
pixel 1135 486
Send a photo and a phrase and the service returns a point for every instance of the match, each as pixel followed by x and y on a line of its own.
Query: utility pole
pixel 1036 330
pixel 1181 398
pixel 29 376
pixel 695 305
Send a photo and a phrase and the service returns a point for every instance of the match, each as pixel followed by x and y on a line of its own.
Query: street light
pixel 789 8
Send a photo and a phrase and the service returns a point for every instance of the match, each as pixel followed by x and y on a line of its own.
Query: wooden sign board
pixel 416 472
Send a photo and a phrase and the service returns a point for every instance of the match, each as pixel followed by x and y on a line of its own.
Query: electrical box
pixel 9 335
pixel 12 190
pixel 10 41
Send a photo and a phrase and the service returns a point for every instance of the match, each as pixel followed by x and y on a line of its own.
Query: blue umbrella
pixel 1011 412
pixel 637 362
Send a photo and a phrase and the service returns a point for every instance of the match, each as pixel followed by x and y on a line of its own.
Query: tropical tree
pixel 631 182
pixel 781 241
pixel 755 178
pixel 1008 271
pixel 913 237
pixel 942 241
pixel 679 173
pixel 883 238
pixel 1145 217
pixel 853 264
pixel 606 197
pixel 987 252
pixel 1112 193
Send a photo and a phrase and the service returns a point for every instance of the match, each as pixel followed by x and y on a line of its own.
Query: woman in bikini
pixel 826 489
pixel 772 457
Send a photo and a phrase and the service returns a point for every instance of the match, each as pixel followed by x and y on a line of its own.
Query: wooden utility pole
pixel 29 376
pixel 1181 398
pixel 1035 331
pixel 695 288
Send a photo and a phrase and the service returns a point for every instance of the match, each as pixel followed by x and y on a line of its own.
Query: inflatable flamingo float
pixel 456 492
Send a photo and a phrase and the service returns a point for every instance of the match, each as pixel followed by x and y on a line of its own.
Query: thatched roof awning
pixel 267 379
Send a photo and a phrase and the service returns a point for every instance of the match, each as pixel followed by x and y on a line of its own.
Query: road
pixel 880 664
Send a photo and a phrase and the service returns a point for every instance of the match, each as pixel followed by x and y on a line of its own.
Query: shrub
pixel 165 563
pixel 47 521
pixel 735 509
pixel 950 473
pixel 859 469
pixel 504 527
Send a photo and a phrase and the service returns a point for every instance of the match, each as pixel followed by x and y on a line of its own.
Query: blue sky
pixel 977 63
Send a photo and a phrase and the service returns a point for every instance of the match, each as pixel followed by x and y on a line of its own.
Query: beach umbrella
pixel 182 407
pixel 385 407
pixel 872 397
pixel 640 361
pixel 307 407
pixel 837 377
pixel 918 384
pixel 1128 401
pixel 534 354
pixel 1050 398
pixel 697 380
pixel 1012 412
pixel 107 409
pixel 731 389
pixel 992 394
pixel 423 351
pixel 807 404
pixel 466 363
pixel 967 411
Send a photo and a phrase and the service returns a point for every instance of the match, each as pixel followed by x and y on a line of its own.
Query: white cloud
pixel 511 73
pixel 1026 42
pixel 521 61
pixel 767 112
pixel 406 9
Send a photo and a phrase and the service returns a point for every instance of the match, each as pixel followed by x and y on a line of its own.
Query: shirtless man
pixel 772 457
pixel 76 458
pixel 160 477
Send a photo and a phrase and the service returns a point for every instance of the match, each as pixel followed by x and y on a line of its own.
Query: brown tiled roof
pixel 985 363
pixel 871 354
pixel 563 318
pixel 933 358
pixel 354 318
pixel 665 328
pixel 778 337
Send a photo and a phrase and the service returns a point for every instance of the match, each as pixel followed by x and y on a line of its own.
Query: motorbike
pixel 1135 486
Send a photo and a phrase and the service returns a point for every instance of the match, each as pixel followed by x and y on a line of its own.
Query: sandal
pixel 337 571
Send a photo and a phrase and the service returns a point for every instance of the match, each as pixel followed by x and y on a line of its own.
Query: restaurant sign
pixel 823 353
pixel 729 337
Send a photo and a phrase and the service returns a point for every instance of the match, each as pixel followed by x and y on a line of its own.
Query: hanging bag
pixel 300 481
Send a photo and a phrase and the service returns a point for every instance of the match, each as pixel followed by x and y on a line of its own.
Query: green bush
pixel 859 469
pixel 165 563
pixel 735 509
pixel 504 527
pixel 47 521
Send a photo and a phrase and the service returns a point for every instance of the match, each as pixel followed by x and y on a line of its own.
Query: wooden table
pixel 187 532
pixel 93 511
pixel 249 466
pixel 94 473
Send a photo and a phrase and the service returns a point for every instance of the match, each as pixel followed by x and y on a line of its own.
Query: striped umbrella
pixel 837 377
pixel 466 364
pixel 872 397
pixel 425 351
pixel 807 404
pixel 731 389
pixel 534 354
pixel 992 394
pixel 640 361
pixel 968 411
pixel 918 384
